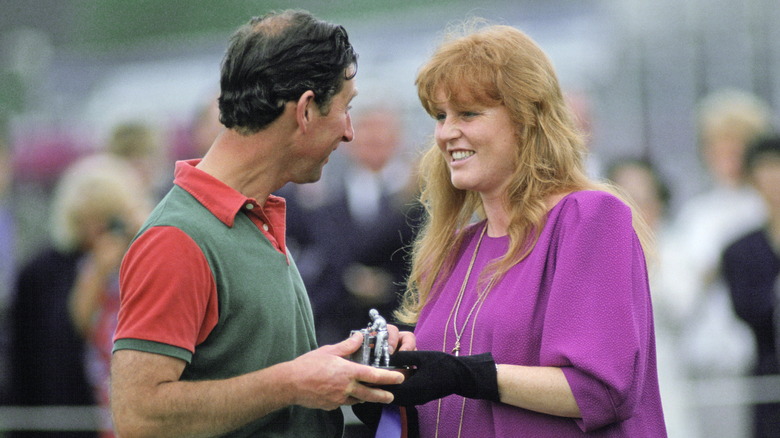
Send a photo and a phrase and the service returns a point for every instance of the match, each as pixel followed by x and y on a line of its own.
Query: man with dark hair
pixel 273 61
pixel 215 332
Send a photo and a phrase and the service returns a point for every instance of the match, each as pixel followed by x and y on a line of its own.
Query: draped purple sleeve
pixel 598 321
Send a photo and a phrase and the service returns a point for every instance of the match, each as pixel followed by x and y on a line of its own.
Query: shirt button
pixel 250 206
pixel 265 227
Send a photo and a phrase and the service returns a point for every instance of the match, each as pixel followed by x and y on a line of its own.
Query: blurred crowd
pixel 714 275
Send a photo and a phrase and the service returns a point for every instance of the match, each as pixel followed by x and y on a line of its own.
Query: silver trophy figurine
pixel 375 350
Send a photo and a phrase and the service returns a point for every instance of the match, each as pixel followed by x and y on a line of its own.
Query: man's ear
pixel 304 111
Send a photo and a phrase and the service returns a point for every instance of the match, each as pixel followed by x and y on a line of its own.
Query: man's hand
pixel 324 379
pixel 148 399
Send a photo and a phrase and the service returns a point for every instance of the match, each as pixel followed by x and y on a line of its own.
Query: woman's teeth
pixel 459 155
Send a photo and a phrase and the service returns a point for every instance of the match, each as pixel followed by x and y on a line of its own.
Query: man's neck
pixel 245 163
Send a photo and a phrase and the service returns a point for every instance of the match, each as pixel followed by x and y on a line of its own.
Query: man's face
pixel 327 131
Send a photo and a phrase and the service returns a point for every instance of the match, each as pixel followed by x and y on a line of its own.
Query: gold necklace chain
pixel 454 317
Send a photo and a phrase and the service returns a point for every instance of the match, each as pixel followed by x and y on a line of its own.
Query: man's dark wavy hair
pixel 274 59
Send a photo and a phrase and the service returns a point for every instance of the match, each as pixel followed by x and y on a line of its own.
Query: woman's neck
pixel 497 213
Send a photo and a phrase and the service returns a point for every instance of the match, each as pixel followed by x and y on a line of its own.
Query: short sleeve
pixel 598 323
pixel 168 295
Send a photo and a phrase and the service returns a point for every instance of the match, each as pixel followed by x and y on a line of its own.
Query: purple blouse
pixel 579 301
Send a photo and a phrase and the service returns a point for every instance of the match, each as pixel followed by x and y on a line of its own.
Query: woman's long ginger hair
pixel 493 65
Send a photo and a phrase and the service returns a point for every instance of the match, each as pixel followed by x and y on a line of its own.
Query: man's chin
pixel 311 178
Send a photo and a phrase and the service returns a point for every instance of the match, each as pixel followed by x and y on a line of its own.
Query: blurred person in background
pixel 7 261
pixel 362 227
pixel 751 267
pixel 114 201
pixel 140 144
pixel 196 135
pixel 7 229
pixel 47 351
pixel 714 343
pixel 580 103
pixel 205 127
pixel 639 179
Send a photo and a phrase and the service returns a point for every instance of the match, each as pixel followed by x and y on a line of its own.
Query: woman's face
pixel 478 143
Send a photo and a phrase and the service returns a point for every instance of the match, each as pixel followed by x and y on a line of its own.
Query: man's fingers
pixel 375 376
pixel 345 347
pixel 352 401
pixel 372 395
pixel 371 392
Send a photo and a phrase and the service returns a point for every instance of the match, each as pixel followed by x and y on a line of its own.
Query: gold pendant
pixel 456 350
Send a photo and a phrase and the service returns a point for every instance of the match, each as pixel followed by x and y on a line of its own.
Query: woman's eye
pixel 469 114
pixel 439 117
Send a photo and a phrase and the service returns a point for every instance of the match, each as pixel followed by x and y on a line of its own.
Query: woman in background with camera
pixel 103 201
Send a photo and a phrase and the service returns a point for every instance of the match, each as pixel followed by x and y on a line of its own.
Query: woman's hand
pixel 400 340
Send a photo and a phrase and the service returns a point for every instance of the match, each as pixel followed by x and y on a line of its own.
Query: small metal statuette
pixel 375 350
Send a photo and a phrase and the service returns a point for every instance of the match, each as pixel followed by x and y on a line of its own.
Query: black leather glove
pixel 440 374
pixel 368 413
